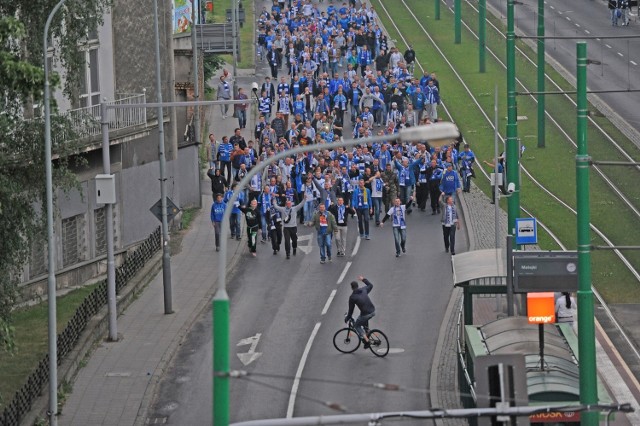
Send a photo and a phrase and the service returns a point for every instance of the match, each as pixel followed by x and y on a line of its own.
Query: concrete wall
pixel 188 173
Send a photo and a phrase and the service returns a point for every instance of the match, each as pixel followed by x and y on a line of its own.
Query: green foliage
pixel 211 64
pixel 22 166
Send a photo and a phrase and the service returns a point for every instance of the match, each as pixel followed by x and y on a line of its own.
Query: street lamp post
pixel 51 248
pixel 541 98
pixel 513 153
pixel 586 328
pixel 221 395
pixel 166 253
pixel 234 36
pixel 111 266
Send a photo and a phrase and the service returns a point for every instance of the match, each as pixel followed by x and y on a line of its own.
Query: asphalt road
pixel 277 304
pixel 620 58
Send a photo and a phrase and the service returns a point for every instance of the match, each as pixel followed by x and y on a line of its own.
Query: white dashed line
pixel 633 63
pixel 608 47
pixel 587 32
pixel 568 19
pixel 344 272
pixel 552 7
pixel 329 300
pixel 578 25
pixel 621 55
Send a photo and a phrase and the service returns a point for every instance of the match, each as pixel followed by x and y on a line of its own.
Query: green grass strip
pixel 31 333
pixel 553 166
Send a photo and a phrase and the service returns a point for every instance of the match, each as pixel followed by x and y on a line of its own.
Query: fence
pixel 23 399
pixel 86 121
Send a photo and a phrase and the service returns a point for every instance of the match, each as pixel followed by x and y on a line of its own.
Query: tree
pixel 22 166
pixel 211 63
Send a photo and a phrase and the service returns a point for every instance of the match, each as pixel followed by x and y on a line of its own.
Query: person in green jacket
pixel 325 224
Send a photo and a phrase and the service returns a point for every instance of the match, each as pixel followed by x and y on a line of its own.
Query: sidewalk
pixel 117 384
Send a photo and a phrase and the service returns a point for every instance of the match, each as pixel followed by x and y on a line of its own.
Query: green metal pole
pixel 541 107
pixel 458 20
pixel 482 31
pixel 513 154
pixel 221 358
pixel 586 329
pixel 437 11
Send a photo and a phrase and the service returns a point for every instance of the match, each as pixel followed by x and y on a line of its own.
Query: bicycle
pixel 347 340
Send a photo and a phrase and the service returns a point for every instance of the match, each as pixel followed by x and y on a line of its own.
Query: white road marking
pixel 578 25
pixel 609 47
pixel 251 355
pixel 344 272
pixel 621 55
pixel 296 381
pixel 568 19
pixel 329 300
pixel 587 31
pixel 633 63
pixel 552 7
pixel 357 246
pixel 306 249
pixel 396 350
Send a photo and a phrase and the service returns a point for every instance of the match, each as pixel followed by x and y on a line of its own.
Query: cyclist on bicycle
pixel 360 298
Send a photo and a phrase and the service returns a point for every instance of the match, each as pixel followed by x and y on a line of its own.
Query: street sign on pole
pixel 172 210
pixel 526 230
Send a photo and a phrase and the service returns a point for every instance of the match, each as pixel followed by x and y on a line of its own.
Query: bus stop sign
pixel 526 230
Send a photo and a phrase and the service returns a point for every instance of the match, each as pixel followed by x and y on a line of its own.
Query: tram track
pixel 558 241
pixel 595 229
pixel 618 148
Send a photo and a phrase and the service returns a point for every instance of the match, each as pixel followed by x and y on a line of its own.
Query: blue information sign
pixel 526 230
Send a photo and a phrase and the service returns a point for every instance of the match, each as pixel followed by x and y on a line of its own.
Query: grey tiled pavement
pixel 117 383
pixel 479 217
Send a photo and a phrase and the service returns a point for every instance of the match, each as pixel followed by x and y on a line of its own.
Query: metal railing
pixel 14 412
pixel 86 121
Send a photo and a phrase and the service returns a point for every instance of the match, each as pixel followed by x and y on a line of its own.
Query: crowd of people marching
pixel 334 76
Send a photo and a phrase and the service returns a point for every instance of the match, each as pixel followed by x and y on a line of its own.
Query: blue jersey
pixel 450 182
pixel 225 151
pixel 237 204
pixel 217 211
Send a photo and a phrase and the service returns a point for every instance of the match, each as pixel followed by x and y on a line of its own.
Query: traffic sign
pixel 172 210
pixel 526 230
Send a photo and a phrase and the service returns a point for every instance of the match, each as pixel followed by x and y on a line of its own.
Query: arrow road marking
pixel 305 248
pixel 251 355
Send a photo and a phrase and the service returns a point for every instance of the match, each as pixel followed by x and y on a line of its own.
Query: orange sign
pixel 553 417
pixel 541 308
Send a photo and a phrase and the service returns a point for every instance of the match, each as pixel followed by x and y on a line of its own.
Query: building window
pixel 38 261
pixel 73 248
pixel 90 80
pixel 101 232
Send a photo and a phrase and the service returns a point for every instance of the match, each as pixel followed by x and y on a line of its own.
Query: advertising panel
pixel 182 15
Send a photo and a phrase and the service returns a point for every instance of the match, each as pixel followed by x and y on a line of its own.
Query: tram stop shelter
pixel 479 272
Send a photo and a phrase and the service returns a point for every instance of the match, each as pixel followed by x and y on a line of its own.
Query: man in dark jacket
pixel 360 298
pixel 218 182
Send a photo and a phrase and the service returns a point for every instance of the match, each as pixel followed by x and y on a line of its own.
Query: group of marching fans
pixel 340 79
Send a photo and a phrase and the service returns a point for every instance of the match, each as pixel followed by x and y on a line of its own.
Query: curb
pixel 167 358
pixel 449 320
